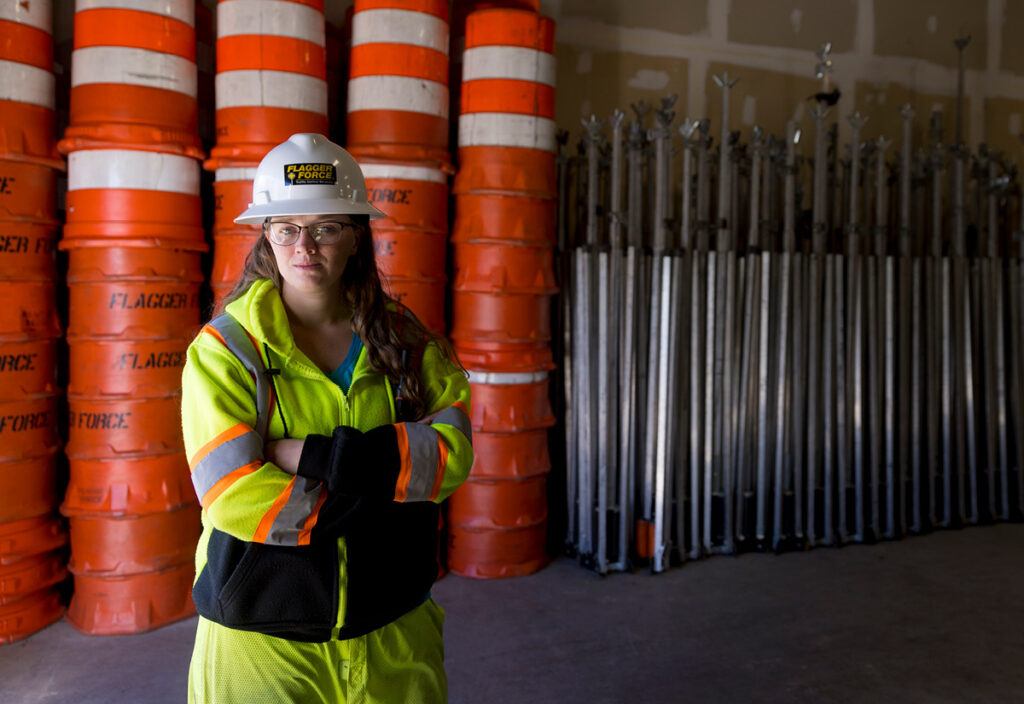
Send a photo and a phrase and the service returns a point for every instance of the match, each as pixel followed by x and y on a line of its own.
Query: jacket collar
pixel 261 312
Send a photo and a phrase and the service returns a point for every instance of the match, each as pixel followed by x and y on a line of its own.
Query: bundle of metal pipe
pixel 727 388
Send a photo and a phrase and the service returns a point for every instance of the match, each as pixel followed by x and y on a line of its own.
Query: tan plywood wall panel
pixel 596 82
pixel 675 16
pixel 925 29
pixel 795 24
pixel 881 102
pixel 765 98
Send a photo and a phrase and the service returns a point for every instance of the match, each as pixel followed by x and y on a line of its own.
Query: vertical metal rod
pixel 762 396
pixel 709 408
pixel 782 343
pixel 832 285
pixel 916 377
pixel 889 303
pixel 697 383
pixel 842 438
pixel 947 396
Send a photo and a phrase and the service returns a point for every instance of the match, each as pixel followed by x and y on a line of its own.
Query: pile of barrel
pixel 32 540
pixel 271 83
pixel 505 194
pixel 134 237
pixel 398 131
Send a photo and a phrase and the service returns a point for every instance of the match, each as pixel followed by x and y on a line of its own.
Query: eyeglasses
pixel 287 233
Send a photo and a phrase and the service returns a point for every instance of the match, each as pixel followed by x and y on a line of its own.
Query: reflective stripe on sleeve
pixel 236 447
pixel 457 417
pixel 419 447
pixel 292 516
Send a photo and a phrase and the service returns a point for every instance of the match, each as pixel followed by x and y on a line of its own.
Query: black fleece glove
pixel 352 462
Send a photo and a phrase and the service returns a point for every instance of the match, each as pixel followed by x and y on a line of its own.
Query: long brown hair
pixel 384 333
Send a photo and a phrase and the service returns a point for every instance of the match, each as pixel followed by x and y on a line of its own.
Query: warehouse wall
pixel 615 52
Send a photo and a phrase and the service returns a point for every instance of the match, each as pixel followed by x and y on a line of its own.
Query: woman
pixel 319 490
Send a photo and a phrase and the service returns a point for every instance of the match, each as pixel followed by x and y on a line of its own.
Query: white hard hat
pixel 307 175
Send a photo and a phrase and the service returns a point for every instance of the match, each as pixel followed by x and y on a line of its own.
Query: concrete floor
pixel 931 619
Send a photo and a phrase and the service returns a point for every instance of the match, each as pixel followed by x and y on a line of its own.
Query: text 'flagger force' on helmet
pixel 307 175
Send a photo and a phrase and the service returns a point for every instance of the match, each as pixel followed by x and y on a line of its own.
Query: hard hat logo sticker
pixel 310 174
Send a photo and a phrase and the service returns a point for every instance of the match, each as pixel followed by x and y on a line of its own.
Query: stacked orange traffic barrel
pixel 134 237
pixel 32 538
pixel 271 82
pixel 398 131
pixel 504 279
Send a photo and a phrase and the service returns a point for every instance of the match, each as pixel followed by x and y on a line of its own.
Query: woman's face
pixel 310 266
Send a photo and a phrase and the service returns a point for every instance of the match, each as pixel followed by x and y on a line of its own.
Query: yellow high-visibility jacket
pixel 348 545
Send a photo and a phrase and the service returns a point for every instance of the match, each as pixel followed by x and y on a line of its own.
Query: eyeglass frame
pixel 344 225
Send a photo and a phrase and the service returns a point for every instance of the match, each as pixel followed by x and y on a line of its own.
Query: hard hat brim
pixel 256 214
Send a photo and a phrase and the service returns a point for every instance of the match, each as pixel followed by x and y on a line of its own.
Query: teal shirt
pixel 342 376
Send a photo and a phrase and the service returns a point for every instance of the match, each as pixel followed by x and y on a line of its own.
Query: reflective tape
pixel 397 93
pixel 457 418
pixel 400 27
pixel 231 334
pixel 227 457
pixel 423 463
pixel 182 10
pixel 290 522
pixel 235 174
pixel 502 129
pixel 26 84
pixel 271 89
pixel 407 173
pixel 506 378
pixel 131 169
pixel 138 67
pixel 38 14
pixel 270 17
pixel 512 62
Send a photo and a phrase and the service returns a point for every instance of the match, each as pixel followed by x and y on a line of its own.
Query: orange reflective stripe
pixel 229 479
pixel 307 527
pixel 210 330
pixel 442 465
pixel 405 474
pixel 229 434
pixel 263 529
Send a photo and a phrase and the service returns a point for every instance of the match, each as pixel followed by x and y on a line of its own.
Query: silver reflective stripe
pixel 454 416
pixel 423 456
pixel 241 346
pixel 293 516
pixel 225 459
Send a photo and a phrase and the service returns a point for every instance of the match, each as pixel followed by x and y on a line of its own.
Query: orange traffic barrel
pixel 31 536
pixel 132 604
pixel 147 260
pixel 28 189
pixel 230 250
pixel 106 546
pixel 28 368
pixel 134 194
pixel 410 253
pixel 28 429
pixel 490 267
pixel 27 250
pixel 133 309
pixel 27 93
pixel 133 77
pixel 271 77
pixel 510 455
pixel 497 553
pixel 23 617
pixel 424 297
pixel 101 428
pixel 499 503
pixel 232 191
pixel 414 196
pixel 398 80
pixel 128 486
pixel 501 317
pixel 508 219
pixel 23 577
pixel 28 486
pixel 489 356
pixel 506 403
pixel 29 311
pixel 506 121
pixel 99 367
